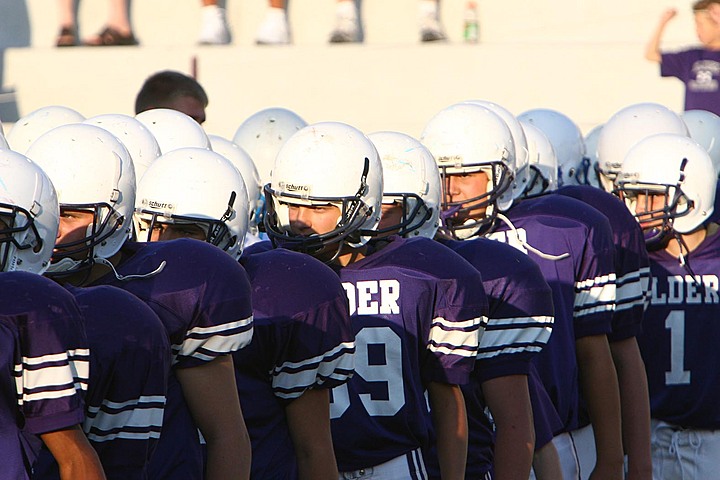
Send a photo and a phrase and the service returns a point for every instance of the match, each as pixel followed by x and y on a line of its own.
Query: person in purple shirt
pixel 698 67
pixel 416 307
pixel 44 352
pixel 201 296
pixel 668 183
pixel 632 271
pixel 520 316
pixel 303 342
pixel 569 241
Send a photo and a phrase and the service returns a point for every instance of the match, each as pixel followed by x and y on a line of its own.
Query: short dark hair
pixel 703 4
pixel 161 88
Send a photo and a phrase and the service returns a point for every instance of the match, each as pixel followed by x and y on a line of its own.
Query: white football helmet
pixel 542 161
pixel 588 173
pixel 28 128
pixel 522 169
pixel 29 212
pixel 173 129
pixel 565 137
pixel 627 127
pixel 263 134
pixel 92 171
pixel 410 177
pixel 467 138
pixel 326 163
pixel 704 128
pixel 242 161
pixel 678 168
pixel 194 186
pixel 138 140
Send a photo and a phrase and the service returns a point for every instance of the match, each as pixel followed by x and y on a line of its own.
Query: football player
pixel 44 352
pixel 303 341
pixel 668 182
pixel 416 306
pixel 200 295
pixel 520 316
pixel 570 242
pixel 632 271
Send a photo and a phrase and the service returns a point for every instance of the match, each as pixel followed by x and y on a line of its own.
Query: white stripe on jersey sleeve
pixel 145 419
pixel 216 344
pixel 456 337
pixel 69 369
pixel 516 335
pixel 289 377
pixel 595 295
pixel 629 291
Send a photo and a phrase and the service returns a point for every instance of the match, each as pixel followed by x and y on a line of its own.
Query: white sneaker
pixel 274 28
pixel 430 28
pixel 347 28
pixel 431 31
pixel 214 28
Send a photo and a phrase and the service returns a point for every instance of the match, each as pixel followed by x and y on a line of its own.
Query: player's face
pixel 392 214
pixel 465 186
pixel 316 219
pixel 648 203
pixel 190 106
pixel 169 231
pixel 73 228
pixel 708 31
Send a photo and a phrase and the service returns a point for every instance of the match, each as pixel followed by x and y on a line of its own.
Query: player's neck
pixel 350 255
pixel 690 242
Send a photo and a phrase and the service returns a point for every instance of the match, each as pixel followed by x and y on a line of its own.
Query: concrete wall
pixel 581 57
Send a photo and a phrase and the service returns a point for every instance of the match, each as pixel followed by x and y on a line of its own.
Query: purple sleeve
pixel 54 362
pixel 317 350
pixel 461 313
pixel 675 64
pixel 595 281
pixel 222 320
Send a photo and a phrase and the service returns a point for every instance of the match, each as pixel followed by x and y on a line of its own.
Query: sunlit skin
pixel 646 203
pixel 656 202
pixel 169 231
pixel 392 214
pixel 73 227
pixel 461 187
pixel 320 219
pixel 707 30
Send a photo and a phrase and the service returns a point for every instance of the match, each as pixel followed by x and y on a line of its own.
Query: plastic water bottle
pixel 471 31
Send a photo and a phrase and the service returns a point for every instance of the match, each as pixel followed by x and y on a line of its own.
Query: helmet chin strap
pixel 65 265
pixel 522 242
pixel 125 278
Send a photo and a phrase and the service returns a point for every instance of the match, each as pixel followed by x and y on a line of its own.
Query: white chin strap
pixel 465 233
pixel 64 265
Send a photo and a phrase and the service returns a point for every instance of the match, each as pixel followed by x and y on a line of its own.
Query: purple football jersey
pixel 632 266
pixel 519 325
pixel 416 308
pixel 129 367
pixel 302 339
pixel 699 70
pixel 202 297
pixel 680 337
pixel 571 242
pixel 46 353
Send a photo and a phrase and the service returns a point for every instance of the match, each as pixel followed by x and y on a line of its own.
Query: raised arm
pixel 652 48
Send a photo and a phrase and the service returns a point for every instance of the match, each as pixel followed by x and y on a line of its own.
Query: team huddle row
pixel 496 298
